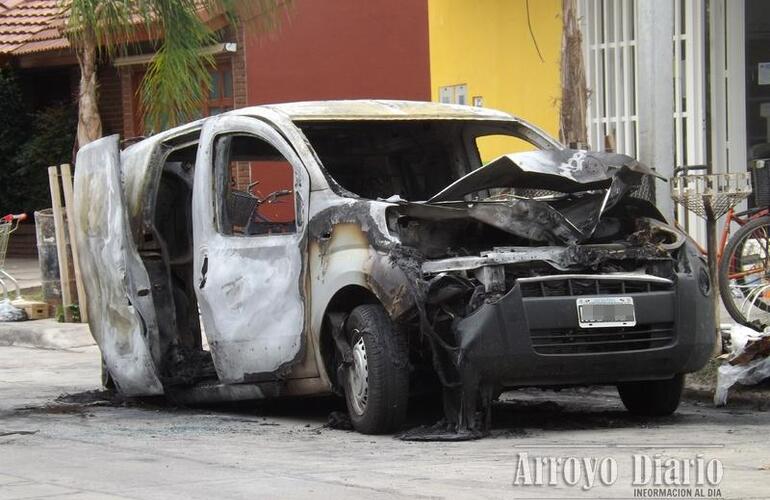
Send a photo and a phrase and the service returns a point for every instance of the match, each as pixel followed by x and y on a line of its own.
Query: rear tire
pixel 377 381
pixel 652 398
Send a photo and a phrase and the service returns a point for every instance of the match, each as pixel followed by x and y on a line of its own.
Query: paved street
pixel 82 446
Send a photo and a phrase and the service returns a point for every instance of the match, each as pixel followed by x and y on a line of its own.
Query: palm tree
pixel 175 82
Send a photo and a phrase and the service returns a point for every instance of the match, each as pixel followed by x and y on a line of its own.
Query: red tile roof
pixel 28 26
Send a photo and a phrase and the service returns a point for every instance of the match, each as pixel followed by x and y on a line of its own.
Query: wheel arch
pixel 344 300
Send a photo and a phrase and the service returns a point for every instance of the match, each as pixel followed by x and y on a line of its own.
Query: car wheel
pixel 652 398
pixel 377 380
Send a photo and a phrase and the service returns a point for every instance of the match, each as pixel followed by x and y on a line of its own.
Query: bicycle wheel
pixel 744 272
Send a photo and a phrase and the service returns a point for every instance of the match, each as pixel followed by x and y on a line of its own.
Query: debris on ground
pixel 99 397
pixel 78 403
pixel 748 362
pixel 339 420
pixel 442 431
pixel 17 433
pixel 9 312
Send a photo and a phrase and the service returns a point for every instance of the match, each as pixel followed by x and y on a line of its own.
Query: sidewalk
pixel 45 334
pixel 26 272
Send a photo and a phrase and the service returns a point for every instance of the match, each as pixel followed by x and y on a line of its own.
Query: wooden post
pixel 61 243
pixel 66 181
pixel 574 93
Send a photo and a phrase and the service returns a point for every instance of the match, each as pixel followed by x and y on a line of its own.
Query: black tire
pixel 381 408
pixel 652 398
pixel 735 244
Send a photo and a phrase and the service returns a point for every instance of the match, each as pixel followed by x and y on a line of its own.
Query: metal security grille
pixel 689 100
pixel 689 96
pixel 609 34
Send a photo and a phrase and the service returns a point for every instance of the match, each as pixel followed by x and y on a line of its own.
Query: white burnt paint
pixel 106 252
pixel 252 302
pixel 265 297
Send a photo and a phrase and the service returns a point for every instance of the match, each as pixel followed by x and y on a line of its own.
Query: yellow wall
pixel 486 44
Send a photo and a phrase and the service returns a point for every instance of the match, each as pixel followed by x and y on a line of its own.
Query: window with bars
pixel 609 34
pixel 689 103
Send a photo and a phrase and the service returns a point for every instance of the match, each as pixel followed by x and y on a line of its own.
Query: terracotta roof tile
pixel 28 26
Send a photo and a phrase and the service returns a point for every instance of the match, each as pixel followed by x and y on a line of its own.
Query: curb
pixel 45 334
pixel 738 396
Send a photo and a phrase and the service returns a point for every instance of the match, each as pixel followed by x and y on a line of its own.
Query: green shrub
pixel 30 142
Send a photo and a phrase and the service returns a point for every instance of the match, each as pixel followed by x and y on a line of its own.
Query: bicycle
pixel 743 259
pixel 243 208
pixel 8 225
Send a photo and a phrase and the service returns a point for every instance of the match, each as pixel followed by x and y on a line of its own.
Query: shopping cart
pixel 8 224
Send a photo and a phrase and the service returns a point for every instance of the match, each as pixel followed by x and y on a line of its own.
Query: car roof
pixel 340 110
pixel 370 109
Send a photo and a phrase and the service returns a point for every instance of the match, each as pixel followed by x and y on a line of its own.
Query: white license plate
pixel 603 312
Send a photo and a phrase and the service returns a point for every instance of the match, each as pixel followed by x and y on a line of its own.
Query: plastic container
pixel 45 230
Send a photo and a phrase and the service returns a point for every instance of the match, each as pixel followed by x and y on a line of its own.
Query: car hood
pixel 587 185
pixel 562 170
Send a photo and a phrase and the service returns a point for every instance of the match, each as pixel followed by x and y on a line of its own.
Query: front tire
pixel 377 380
pixel 652 398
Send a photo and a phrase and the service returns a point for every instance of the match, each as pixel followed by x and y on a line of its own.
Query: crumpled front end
pixel 515 283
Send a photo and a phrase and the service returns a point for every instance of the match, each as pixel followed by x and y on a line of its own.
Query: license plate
pixel 603 312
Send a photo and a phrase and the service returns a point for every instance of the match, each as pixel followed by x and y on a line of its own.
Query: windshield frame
pixel 470 129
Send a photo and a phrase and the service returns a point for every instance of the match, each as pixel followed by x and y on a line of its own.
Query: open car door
pixel 249 240
pixel 121 313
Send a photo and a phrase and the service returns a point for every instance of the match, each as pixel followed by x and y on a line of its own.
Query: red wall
pixel 342 49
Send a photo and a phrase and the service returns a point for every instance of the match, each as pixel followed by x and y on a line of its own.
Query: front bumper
pixel 524 341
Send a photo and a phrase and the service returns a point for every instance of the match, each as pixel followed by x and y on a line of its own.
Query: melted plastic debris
pixel 442 431
pixel 339 420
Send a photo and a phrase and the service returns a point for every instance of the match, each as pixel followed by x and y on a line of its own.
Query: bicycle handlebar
pixel 13 217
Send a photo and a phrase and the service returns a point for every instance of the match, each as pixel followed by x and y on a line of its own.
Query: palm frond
pixel 177 77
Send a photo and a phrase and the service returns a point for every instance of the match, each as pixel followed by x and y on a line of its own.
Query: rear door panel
pixel 121 313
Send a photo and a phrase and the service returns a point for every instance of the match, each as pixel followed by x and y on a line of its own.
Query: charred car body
pixel 392 262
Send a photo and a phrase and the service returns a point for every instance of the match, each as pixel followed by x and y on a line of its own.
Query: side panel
pixel 121 315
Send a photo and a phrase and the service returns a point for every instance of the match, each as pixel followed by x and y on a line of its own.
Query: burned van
pixel 377 249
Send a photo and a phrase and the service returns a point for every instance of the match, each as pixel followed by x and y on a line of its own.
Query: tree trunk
pixel 574 100
pixel 89 121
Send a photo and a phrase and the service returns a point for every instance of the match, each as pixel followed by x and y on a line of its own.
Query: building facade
pixel 679 83
pixel 501 53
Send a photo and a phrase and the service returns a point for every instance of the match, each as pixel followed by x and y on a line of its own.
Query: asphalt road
pixel 83 446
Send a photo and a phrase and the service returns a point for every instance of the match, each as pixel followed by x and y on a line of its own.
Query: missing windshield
pixel 411 159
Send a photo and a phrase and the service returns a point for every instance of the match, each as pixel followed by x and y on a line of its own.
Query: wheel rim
pixel 749 275
pixel 358 378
